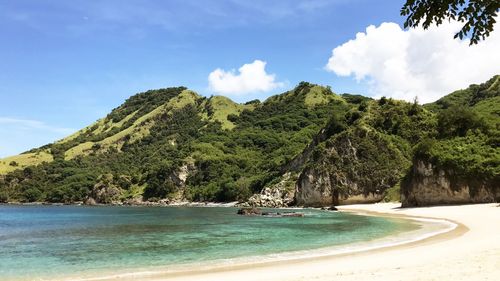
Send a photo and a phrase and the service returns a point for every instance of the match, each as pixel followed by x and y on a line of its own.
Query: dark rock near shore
pixel 258 212
pixel 249 212
pixel 282 214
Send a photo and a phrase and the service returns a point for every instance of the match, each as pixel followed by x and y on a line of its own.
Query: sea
pixel 58 242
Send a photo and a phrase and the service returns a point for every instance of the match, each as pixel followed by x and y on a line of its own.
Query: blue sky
pixel 64 64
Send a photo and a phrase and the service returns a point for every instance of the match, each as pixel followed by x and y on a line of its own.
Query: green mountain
pixel 307 146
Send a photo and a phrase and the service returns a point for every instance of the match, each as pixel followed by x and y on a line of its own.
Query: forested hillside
pixel 464 156
pixel 308 144
pixel 173 143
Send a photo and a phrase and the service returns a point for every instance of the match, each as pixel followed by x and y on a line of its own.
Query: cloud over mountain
pixel 251 78
pixel 406 63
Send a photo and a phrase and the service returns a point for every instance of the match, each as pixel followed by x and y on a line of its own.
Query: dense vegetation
pixel 468 134
pixel 371 149
pixel 173 144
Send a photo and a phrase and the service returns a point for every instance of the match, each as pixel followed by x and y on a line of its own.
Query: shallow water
pixel 57 241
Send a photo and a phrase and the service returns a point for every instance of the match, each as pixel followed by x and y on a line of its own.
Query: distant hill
pixel 307 146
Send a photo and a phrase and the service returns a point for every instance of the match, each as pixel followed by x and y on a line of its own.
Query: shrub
pixel 457 121
pixel 4 197
pixel 32 195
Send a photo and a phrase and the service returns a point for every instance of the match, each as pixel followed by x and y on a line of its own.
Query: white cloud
pixel 252 78
pixel 406 63
pixel 25 124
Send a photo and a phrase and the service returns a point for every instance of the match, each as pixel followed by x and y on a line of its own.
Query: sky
pixel 65 64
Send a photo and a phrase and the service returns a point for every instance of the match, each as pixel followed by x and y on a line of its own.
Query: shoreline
pixel 144 204
pixel 446 230
pixel 468 249
pixel 471 251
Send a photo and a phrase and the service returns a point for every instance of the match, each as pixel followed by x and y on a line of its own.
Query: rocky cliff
pixel 461 164
pixel 353 167
pixel 428 185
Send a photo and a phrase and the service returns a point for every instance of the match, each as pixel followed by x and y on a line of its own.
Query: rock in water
pixel 292 214
pixel 249 212
pixel 258 212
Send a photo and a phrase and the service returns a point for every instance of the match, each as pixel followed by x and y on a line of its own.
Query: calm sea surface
pixel 50 241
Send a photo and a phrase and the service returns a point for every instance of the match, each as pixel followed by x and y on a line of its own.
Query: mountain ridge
pixel 310 145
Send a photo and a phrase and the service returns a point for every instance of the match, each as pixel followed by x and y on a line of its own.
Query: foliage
pixel 406 120
pixel 468 97
pixel 471 156
pixel 457 121
pixel 159 184
pixel 468 141
pixel 4 197
pixel 356 99
pixel 478 16
pixel 392 194
pixel 143 102
pixel 374 150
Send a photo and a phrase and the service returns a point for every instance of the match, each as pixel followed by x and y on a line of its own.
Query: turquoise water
pixel 55 241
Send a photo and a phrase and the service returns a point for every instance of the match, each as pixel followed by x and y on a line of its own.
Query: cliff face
pixel 427 185
pixel 353 167
pixel 320 189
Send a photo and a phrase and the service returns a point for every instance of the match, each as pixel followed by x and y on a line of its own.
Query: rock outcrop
pixel 278 195
pixel 249 212
pixel 428 185
pixel 319 189
pixel 354 167
pixel 104 191
pixel 180 176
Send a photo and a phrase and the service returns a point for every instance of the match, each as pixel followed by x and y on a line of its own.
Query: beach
pixel 470 251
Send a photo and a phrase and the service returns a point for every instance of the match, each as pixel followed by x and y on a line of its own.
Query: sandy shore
pixel 469 252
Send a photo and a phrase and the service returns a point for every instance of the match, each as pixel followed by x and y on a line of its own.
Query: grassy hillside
pixel 21 161
pixel 232 150
pixel 219 108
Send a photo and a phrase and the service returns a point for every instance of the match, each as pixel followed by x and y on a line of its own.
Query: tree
pixel 159 185
pixel 456 121
pixel 4 197
pixel 478 15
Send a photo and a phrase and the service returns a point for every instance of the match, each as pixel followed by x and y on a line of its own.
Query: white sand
pixel 470 252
